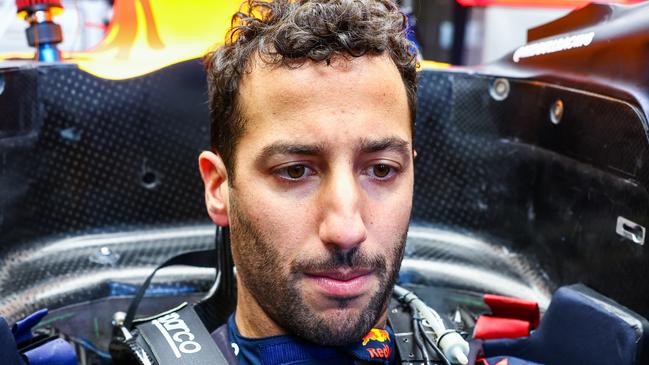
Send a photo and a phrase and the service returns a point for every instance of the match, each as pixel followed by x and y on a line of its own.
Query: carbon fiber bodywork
pixel 549 192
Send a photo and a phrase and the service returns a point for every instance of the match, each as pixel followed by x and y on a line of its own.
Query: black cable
pixel 432 344
pixel 415 328
pixel 202 258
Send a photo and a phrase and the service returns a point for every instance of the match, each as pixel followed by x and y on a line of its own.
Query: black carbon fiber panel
pixel 83 156
pixel 108 154
pixel 552 193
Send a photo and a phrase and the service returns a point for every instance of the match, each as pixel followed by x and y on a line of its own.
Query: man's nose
pixel 342 222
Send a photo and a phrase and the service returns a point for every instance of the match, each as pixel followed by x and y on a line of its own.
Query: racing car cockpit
pixel 529 214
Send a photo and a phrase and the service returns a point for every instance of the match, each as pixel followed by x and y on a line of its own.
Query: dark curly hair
pixel 291 32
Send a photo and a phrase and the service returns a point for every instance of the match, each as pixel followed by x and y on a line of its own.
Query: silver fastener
pixel 556 112
pixel 499 89
pixel 119 318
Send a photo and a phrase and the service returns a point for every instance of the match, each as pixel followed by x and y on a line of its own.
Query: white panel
pixel 505 29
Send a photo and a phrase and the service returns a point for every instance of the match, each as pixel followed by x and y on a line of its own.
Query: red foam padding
pixel 507 307
pixel 487 328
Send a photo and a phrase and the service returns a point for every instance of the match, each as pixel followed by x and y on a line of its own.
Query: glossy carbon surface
pixel 82 156
pixel 88 154
pixel 503 171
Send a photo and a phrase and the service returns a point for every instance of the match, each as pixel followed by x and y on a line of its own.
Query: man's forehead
pixel 322 103
pixel 272 85
pixel 337 64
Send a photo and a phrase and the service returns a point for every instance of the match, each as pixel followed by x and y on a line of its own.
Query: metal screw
pixel 405 340
pixel 104 256
pixel 556 112
pixel 499 89
pixel 395 310
pixel 411 355
pixel 119 318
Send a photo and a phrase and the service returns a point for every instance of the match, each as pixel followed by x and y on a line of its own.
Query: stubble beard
pixel 260 267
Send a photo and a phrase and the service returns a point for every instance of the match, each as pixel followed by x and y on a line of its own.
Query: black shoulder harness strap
pixel 181 338
pixel 181 335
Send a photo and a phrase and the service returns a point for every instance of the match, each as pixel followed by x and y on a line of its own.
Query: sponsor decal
pixel 380 353
pixel 178 336
pixel 554 45
pixel 376 335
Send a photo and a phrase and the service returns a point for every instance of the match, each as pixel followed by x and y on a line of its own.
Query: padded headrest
pixel 580 327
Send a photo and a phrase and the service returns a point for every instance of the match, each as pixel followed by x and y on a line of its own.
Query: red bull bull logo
pixel 376 350
pixel 376 335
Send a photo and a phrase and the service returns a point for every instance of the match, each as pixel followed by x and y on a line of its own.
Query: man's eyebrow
pixel 286 148
pixel 385 144
pixel 366 146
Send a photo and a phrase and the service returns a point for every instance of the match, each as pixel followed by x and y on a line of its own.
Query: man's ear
pixel 215 178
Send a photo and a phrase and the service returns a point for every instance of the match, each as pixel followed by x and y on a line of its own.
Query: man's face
pixel 320 205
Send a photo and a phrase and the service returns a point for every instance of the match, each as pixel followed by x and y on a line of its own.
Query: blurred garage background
pixel 468 32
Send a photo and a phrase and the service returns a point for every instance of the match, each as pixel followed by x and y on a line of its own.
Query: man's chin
pixel 342 329
pixel 340 321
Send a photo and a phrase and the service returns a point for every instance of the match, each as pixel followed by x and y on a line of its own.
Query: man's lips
pixel 342 284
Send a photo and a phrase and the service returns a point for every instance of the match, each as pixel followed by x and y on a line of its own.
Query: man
pixel 312 107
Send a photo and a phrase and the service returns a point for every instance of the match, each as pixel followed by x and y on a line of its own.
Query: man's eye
pixel 381 171
pixel 294 172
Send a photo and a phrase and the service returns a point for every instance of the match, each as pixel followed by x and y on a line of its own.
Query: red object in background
pixel 569 4
pixel 507 307
pixel 510 318
pixel 488 328
pixel 24 4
